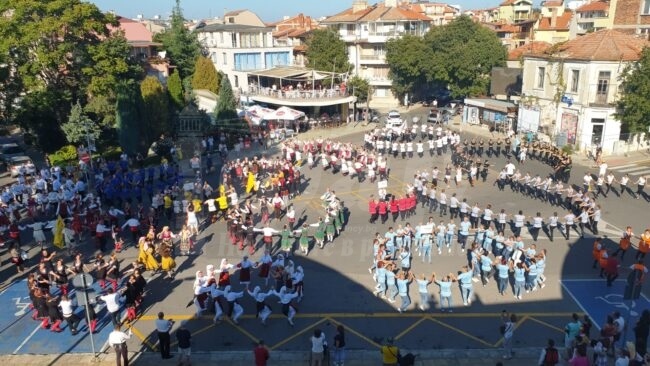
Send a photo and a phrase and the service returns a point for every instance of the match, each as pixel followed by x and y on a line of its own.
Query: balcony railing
pixel 601 100
pixel 372 57
pixel 305 94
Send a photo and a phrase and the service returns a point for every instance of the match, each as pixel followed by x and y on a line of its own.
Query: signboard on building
pixel 528 119
pixel 569 126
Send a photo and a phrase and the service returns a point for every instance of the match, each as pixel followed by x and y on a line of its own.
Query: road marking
pixel 24 342
pixel 351 330
pixel 547 324
pixel 173 344
pixel 630 170
pixel 295 335
pixel 623 166
pixel 584 311
pixel 519 323
pixel 411 327
pixel 143 338
pixel 468 335
pixel 243 331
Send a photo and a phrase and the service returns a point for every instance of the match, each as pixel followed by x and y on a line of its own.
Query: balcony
pixel 303 97
pixel 372 59
pixel 601 100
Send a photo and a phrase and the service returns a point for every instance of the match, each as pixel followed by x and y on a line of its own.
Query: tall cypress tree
pixel 127 118
pixel 175 90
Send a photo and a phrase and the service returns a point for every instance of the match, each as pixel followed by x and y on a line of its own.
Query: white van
pixel 394 121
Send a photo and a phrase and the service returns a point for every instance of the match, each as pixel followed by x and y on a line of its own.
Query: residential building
pixel 516 56
pixel 236 49
pixel 574 88
pixel 143 48
pixel 593 16
pixel 483 15
pixel 293 32
pixel 553 25
pixel 366 29
pixel 440 13
pixel 513 35
pixel 243 17
pixel 631 16
pixel 513 11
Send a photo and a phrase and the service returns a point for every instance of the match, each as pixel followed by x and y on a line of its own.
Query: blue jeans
pixel 466 291
pixel 424 300
pixel 444 299
pixel 339 355
pixel 502 284
pixel 530 281
pixel 391 292
pixel 406 301
pixel 448 238
pixel 519 287
pixel 407 241
pixel 440 241
pixel 426 252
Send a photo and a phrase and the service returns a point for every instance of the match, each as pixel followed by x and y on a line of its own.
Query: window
pixel 575 80
pixel 646 7
pixel 225 59
pixel 248 61
pixel 236 81
pixel 273 59
pixel 220 38
pixel 379 50
pixel 541 74
pixel 231 20
pixel 603 83
pixel 233 39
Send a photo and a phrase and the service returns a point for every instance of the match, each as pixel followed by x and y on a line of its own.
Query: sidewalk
pixel 445 357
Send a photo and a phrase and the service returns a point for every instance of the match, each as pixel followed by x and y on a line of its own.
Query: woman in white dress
pixel 192 221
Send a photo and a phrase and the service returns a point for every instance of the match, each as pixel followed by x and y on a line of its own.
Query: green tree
pixel 175 90
pixel 79 127
pixel 128 119
pixel 327 52
pixel 182 46
pixel 634 105
pixel 359 87
pixel 226 110
pixel 408 60
pixel 205 75
pixel 464 53
pixel 155 110
pixel 57 56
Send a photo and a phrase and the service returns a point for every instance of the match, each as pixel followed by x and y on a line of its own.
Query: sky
pixel 267 10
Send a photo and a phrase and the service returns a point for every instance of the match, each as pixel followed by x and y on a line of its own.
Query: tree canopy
pixel 205 75
pixel 327 52
pixel 181 44
pixel 59 51
pixel 226 109
pixel 458 56
pixel 79 127
pixel 634 105
pixel 175 90
pixel 359 87
pixel 154 114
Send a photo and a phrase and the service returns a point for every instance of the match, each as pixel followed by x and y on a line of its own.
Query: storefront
pixel 496 114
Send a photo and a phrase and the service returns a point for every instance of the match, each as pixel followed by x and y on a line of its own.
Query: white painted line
pixel 622 166
pixel 29 337
pixel 595 323
pixel 643 172
pixel 629 170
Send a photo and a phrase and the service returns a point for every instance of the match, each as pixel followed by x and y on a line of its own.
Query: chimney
pixel 553 17
pixel 359 5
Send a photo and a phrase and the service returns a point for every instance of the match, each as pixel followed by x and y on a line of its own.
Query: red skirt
pixel 224 279
pixel 245 275
pixel 264 270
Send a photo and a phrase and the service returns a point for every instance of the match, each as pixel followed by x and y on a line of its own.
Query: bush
pixel 64 156
pixel 567 149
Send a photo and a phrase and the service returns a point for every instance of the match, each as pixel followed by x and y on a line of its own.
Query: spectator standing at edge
pixel 389 353
pixel 261 354
pixel 184 338
pixel 163 326
pixel 509 321
pixel 549 356
pixel 117 339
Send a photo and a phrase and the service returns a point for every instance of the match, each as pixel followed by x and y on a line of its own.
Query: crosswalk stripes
pixel 636 169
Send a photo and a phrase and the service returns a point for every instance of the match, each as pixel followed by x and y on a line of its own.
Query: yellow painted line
pixel 411 327
pixel 371 315
pixel 359 196
pixel 142 338
pixel 358 334
pixel 243 331
pixel 519 323
pixel 295 335
pixel 173 344
pixel 461 332
pixel 547 324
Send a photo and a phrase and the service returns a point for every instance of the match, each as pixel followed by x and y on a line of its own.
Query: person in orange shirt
pixel 644 245
pixel 625 242
pixel 595 252
pixel 602 260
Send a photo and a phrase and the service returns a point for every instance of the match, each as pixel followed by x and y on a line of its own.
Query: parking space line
pixel 519 323
pixel 196 333
pixel 143 339
pixel 295 335
pixel 411 327
pixel 461 332
pixel 24 342
pixel 358 334
pixel 243 331
pixel 546 324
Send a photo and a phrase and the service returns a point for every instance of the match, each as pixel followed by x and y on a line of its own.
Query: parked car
pixel 394 120
pixel 434 116
pixel 15 166
pixel 10 150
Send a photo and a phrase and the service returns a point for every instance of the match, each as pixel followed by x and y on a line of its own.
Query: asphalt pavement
pixel 338 287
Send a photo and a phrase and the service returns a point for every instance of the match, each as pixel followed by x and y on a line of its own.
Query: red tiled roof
pixel 509 2
pixel 550 3
pixel 376 12
pixel 507 28
pixel 561 22
pixel 234 12
pixel 535 47
pixel 133 31
pixel 603 45
pixel 594 6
